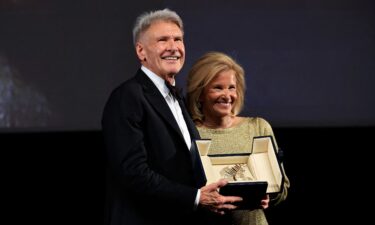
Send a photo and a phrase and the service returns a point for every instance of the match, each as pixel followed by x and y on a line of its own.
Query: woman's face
pixel 219 96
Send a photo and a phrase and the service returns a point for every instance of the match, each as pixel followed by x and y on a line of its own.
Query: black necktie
pixel 174 91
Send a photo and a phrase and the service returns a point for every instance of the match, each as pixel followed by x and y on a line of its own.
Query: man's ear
pixel 140 51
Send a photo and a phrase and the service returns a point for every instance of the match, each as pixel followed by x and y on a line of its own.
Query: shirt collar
pixel 158 81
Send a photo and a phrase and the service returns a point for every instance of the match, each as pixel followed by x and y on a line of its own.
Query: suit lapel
pixel 157 101
pixel 155 98
pixel 199 174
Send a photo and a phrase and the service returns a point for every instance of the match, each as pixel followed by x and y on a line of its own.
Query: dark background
pixel 307 63
pixel 309 70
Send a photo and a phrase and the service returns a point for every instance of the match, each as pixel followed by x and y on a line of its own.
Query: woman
pixel 215 95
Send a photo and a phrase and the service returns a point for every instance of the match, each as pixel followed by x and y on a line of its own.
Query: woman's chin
pixel 223 113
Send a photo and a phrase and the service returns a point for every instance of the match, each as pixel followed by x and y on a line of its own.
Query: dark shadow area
pixel 55 178
pixel 59 177
pixel 328 169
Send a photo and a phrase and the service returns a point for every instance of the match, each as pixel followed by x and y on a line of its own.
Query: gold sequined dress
pixel 238 139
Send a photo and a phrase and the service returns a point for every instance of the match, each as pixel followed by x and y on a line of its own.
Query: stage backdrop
pixel 307 63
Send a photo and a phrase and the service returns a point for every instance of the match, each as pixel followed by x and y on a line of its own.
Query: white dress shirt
pixel 172 103
pixel 176 111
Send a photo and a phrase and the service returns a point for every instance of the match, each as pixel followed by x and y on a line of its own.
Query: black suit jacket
pixel 152 176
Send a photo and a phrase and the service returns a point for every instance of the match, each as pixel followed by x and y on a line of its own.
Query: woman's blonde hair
pixel 203 71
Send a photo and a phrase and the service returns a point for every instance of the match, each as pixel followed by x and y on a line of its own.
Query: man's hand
pixel 213 201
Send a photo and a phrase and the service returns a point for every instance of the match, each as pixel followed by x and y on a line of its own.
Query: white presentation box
pixel 250 176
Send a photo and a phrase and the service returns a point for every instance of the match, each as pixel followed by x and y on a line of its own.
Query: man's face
pixel 161 49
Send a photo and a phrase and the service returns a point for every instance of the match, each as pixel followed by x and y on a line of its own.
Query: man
pixel 155 175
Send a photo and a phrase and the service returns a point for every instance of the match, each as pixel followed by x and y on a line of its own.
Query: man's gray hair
pixel 145 20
